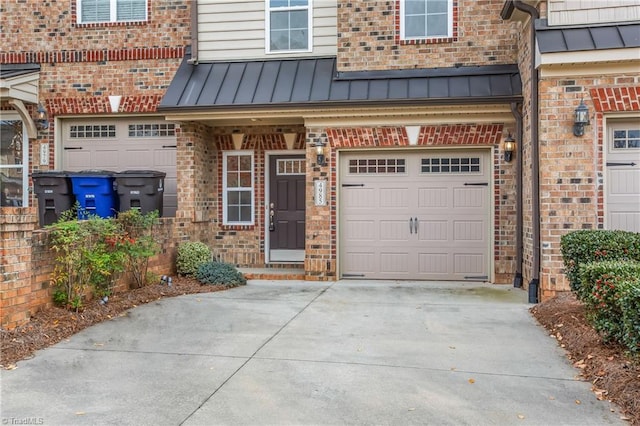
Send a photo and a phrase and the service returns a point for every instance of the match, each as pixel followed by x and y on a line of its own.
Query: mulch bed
pixel 613 376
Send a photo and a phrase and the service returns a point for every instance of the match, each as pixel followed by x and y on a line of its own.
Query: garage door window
pixel 626 139
pixel 152 130
pixel 451 165
pixel 13 175
pixel 237 188
pixel 371 166
pixel 89 131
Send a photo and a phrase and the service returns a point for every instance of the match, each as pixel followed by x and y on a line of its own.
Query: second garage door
pixel 119 145
pixel 415 215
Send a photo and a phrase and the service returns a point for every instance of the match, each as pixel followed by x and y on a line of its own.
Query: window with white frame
pixel 13 163
pixel 96 11
pixel 425 19
pixel 237 182
pixel 288 25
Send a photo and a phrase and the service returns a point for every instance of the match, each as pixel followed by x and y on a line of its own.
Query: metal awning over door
pixel 421 214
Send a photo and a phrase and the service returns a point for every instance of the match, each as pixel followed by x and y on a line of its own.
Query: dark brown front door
pixel 286 207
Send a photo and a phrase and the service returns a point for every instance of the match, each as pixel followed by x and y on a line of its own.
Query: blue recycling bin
pixel 95 192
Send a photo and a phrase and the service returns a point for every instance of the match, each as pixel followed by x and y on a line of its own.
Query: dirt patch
pixel 613 376
pixel 50 326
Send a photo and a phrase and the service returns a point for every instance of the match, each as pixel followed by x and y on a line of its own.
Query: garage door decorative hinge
pixel 67 148
pixel 479 277
pixel 352 275
pixel 476 184
pixel 609 164
pixel 347 185
pixel 169 146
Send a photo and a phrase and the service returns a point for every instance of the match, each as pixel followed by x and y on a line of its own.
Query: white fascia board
pixel 589 56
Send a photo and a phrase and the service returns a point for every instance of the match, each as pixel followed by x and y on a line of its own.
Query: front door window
pixel 13 149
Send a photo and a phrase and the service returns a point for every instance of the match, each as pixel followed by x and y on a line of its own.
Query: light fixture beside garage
pixel 320 157
pixel 42 122
pixel 581 118
pixel 509 147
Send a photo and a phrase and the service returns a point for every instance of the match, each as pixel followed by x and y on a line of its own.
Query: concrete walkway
pixel 351 352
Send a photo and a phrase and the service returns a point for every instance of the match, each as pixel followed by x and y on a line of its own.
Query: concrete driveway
pixel 351 352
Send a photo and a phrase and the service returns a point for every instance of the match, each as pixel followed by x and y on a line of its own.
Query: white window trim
pixel 449 24
pixel 267 28
pixel 225 220
pixel 112 13
pixel 6 115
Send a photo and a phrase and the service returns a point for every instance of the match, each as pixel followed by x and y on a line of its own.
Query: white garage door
pixel 119 145
pixel 623 177
pixel 415 215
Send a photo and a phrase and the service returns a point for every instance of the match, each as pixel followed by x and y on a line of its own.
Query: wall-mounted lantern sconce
pixel 509 147
pixel 41 118
pixel 320 157
pixel 581 119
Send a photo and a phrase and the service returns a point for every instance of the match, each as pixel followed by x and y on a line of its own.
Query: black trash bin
pixel 140 189
pixel 95 192
pixel 54 193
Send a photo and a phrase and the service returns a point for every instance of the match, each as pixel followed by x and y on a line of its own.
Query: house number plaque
pixel 320 192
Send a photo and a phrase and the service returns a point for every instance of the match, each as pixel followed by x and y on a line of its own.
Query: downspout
pixel 534 284
pixel 515 110
pixel 194 33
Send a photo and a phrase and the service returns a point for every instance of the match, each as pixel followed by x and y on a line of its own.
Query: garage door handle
pixel 609 164
pixel 411 225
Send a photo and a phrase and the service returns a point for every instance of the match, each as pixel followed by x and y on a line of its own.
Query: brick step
pixel 287 272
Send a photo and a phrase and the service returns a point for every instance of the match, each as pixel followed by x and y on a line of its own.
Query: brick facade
pixel 81 66
pixel 572 168
pixel 368 38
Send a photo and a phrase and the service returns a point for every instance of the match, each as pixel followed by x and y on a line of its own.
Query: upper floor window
pixel 92 11
pixel 426 19
pixel 288 25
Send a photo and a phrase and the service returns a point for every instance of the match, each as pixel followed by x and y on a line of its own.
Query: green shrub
pixel 603 286
pixel 586 246
pixel 190 256
pixel 92 254
pixel 219 273
pixel 630 305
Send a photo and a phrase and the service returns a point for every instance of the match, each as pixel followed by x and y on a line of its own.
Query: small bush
pixel 604 286
pixel 630 305
pixel 219 273
pixel 586 246
pixel 190 256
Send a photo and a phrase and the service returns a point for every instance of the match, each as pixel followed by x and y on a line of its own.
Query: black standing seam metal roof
pixel 15 70
pixel 584 38
pixel 315 81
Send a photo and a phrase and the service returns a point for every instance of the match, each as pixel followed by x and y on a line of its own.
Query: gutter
pixel 517 113
pixel 534 284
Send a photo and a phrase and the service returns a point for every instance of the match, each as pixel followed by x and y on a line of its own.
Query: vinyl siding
pixel 235 30
pixel 588 12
